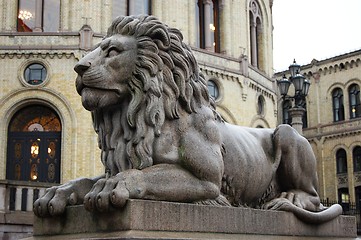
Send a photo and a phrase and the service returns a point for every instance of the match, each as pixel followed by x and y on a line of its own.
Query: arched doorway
pixel 34 140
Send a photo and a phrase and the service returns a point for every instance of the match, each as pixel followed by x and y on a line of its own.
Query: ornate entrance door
pixel 34 156
pixel 34 143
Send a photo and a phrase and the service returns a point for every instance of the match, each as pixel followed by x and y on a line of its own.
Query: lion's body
pixel 162 139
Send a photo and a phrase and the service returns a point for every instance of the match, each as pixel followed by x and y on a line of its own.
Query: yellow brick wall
pixel 80 156
pixel 325 135
pixel 239 83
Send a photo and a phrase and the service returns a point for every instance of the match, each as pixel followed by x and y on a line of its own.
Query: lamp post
pixel 301 86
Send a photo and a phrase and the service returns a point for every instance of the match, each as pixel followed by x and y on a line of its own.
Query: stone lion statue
pixel 162 139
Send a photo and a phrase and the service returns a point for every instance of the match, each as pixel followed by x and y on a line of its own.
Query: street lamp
pixel 301 87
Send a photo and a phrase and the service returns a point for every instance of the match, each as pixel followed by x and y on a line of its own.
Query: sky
pixel 314 29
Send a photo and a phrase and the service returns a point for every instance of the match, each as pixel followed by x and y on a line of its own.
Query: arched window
pixel 356 156
pixel 341 161
pixel 207 17
pixel 38 16
pixel 260 105
pixel 33 152
pixel 354 99
pixel 286 106
pixel 131 7
pixel 213 89
pixel 338 107
pixel 256 34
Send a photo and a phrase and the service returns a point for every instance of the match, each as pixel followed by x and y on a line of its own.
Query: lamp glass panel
pixel 298 82
pixel 284 85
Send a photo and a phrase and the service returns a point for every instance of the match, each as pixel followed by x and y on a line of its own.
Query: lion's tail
pixel 323 216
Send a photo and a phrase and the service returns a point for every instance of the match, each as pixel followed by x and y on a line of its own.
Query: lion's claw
pixel 73 199
pixel 107 193
pixel 102 202
pixel 119 198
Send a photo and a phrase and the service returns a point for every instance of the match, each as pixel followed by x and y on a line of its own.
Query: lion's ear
pixel 160 36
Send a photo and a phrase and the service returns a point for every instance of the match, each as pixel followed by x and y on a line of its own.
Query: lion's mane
pixel 166 81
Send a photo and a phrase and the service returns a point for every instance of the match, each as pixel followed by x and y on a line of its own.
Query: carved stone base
pixel 164 220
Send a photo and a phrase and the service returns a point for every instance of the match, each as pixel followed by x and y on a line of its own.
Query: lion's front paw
pixel 105 194
pixel 57 198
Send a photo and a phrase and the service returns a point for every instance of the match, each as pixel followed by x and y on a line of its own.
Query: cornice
pixel 335 64
pixel 264 91
pixel 343 134
pixel 331 65
pixel 212 71
pixel 43 55
pixel 334 134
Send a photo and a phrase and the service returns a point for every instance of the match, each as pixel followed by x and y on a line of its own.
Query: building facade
pixel 47 136
pixel 332 124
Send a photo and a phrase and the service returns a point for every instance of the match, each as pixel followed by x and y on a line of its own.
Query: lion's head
pixel 139 76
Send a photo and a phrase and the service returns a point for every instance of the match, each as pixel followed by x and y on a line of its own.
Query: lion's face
pixel 104 73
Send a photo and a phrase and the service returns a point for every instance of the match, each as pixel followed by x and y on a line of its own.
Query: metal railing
pixel 349 208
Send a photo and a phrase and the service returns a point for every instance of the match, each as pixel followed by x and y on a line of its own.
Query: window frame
pixel 211 83
pixel 25 65
pixel 261 105
pixel 341 167
pixel 130 8
pixel 356 158
pixel 40 21
pixel 203 33
pixel 338 112
pixel 256 34
pixel 354 101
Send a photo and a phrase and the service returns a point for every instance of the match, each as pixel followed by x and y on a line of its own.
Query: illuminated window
pixel 345 198
pixel 38 16
pixel 338 108
pixel 35 74
pixel 207 17
pixel 131 7
pixel 354 99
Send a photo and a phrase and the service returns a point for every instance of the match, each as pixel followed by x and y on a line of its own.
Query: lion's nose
pixel 81 67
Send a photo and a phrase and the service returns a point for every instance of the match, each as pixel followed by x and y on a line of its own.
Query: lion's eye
pixel 113 51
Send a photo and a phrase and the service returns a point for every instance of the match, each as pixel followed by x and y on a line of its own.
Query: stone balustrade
pixel 19 195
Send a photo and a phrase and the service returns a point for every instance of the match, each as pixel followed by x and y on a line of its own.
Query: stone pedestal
pixel 141 219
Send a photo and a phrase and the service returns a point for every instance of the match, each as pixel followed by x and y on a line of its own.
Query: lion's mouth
pixel 79 84
pixel 94 97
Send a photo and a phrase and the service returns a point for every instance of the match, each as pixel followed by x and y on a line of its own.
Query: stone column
pixel 254 43
pixel 207 20
pixel 224 28
pixel 131 7
pixel 38 16
pixel 296 115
